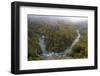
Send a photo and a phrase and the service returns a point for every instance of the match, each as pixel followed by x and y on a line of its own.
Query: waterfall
pixel 42 43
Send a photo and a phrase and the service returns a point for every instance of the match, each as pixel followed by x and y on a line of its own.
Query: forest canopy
pixel 59 36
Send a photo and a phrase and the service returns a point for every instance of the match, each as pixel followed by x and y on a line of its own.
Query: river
pixel 52 55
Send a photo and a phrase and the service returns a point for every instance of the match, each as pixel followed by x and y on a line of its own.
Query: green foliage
pixel 58 38
pixel 32 47
pixel 80 50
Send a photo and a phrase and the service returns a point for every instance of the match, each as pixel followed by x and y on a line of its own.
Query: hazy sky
pixel 73 19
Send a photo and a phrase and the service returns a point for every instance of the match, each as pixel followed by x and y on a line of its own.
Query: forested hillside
pixel 59 35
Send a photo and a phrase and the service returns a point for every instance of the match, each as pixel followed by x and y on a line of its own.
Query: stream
pixel 69 50
pixel 52 55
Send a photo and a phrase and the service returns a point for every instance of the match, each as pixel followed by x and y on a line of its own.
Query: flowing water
pixel 69 50
pixel 53 55
pixel 42 44
pixel 76 40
